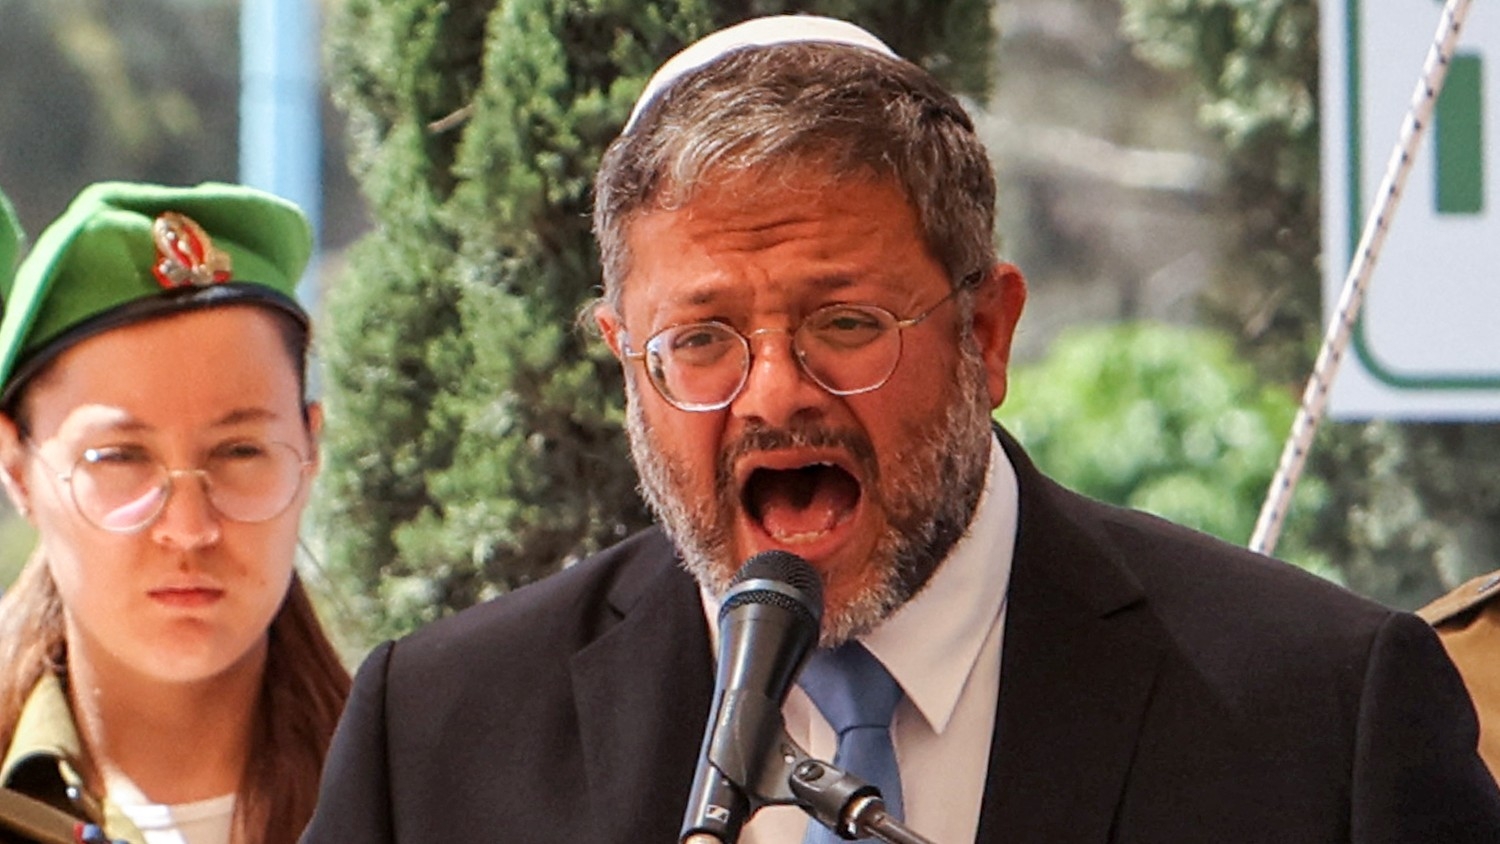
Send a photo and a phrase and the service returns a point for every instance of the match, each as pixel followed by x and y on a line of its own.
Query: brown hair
pixel 31 640
pixel 302 691
pixel 301 697
pixel 853 110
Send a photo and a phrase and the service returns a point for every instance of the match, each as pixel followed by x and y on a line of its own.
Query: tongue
pixel 804 501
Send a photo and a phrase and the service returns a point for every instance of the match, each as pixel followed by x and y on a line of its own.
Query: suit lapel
pixel 1081 653
pixel 643 690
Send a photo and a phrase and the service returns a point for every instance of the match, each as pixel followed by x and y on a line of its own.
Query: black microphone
pixel 768 622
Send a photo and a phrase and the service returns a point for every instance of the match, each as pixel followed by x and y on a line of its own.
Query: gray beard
pixel 929 498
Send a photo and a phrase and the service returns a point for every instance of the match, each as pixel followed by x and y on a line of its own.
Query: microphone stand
pixel 844 803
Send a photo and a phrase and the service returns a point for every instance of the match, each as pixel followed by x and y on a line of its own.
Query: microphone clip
pixel 832 797
pixel 846 804
pixel 788 776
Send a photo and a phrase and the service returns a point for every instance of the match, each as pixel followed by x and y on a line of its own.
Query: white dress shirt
pixel 943 647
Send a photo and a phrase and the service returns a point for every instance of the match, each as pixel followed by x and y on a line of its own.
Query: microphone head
pixel 780 578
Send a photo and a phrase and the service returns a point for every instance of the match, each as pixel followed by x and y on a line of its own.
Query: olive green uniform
pixel 41 763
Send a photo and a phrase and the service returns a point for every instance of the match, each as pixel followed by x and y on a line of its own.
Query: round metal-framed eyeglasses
pixel 124 489
pixel 847 349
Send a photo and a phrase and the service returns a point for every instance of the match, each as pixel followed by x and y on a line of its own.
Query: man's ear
pixel 610 327
pixel 12 465
pixel 998 300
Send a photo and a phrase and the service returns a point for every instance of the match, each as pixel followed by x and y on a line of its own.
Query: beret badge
pixel 185 254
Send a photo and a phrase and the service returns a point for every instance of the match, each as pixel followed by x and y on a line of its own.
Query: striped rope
pixel 1356 282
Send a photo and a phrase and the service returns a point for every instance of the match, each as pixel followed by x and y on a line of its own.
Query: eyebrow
pixel 710 294
pixel 246 414
pixel 126 425
pixel 131 425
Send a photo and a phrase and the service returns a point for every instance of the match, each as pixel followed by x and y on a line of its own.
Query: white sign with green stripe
pixel 1427 344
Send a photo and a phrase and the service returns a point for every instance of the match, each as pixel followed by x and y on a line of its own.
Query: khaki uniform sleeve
pixel 1468 622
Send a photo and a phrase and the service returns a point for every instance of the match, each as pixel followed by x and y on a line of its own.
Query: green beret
pixel 122 253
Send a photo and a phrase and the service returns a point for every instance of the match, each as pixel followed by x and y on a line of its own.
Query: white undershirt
pixel 943 647
pixel 200 822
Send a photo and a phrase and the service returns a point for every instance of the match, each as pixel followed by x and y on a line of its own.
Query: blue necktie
pixel 857 696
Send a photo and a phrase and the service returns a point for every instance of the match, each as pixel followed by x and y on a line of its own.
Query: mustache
pixel 760 438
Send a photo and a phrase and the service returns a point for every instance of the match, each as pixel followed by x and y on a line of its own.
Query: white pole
pixel 280 126
pixel 1377 224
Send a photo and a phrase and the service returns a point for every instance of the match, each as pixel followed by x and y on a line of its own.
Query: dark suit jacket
pixel 1156 686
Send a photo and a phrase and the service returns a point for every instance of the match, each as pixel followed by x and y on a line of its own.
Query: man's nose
pixel 777 387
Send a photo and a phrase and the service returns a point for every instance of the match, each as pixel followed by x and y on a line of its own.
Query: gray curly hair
pixel 854 111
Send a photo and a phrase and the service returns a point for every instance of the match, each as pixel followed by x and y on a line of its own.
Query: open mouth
pixel 803 504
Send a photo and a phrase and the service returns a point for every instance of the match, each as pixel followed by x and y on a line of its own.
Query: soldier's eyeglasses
pixel 123 489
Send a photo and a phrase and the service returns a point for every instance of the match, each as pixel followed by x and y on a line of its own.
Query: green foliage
pixel 474 438
pixel 1159 418
pixel 1415 507
pixel 1411 510
pixel 1256 68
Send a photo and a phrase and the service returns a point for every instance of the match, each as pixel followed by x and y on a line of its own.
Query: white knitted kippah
pixel 756 32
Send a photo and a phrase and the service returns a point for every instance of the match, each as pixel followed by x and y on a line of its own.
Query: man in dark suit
pixel 796 230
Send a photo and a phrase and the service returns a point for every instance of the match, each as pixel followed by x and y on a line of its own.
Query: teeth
pixel 798 538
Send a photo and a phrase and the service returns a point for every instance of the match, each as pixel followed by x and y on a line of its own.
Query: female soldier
pixel 162 672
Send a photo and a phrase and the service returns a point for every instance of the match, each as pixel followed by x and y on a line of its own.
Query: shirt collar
pixel 931 644
pixel 45 728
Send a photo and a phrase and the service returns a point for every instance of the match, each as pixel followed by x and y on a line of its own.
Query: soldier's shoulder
pixel 1459 603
